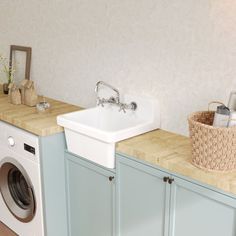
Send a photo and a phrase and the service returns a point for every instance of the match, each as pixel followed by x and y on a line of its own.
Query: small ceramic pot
pixel 5 88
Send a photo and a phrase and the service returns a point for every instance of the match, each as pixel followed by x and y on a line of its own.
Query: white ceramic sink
pixel 92 133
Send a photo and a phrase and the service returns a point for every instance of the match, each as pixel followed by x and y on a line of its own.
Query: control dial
pixel 11 141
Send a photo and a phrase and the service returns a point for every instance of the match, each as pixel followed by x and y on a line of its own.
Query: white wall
pixel 182 52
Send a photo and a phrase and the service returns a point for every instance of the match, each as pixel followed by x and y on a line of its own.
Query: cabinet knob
pixel 170 180
pixel 111 178
pixel 165 179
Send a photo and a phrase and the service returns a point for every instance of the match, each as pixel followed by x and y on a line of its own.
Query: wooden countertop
pixel 167 150
pixel 27 118
pixel 172 152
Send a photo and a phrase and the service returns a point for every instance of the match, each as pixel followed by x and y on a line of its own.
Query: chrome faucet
pixel 113 100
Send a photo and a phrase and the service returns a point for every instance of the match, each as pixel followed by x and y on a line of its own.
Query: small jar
pixel 43 106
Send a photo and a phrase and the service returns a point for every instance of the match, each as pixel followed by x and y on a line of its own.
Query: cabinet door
pixel 142 200
pixel 90 194
pixel 198 211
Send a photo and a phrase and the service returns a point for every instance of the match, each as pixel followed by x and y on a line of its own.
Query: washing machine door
pixel 17 190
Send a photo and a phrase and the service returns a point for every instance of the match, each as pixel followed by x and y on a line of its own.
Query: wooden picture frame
pixel 28 51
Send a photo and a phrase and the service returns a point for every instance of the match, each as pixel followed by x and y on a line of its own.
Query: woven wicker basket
pixel 212 148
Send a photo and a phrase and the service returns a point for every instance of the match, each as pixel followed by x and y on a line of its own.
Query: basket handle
pixel 214 102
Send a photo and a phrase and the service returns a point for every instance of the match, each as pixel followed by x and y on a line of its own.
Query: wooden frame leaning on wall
pixel 28 51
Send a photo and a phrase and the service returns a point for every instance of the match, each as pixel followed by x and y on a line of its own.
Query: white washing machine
pixel 20 182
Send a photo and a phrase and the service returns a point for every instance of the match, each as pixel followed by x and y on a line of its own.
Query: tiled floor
pixel 5 231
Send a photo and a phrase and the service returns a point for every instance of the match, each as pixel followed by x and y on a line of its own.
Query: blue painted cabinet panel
pixel 142 200
pixel 148 206
pixel 90 198
pixel 145 204
pixel 53 184
pixel 198 211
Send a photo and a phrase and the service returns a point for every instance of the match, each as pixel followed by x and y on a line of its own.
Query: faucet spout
pixel 99 83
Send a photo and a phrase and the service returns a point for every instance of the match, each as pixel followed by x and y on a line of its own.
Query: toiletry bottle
pixel 232 101
pixel 221 117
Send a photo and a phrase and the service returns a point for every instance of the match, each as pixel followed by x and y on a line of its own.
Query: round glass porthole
pixel 17 191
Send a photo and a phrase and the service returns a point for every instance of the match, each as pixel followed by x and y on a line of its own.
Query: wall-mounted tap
pixel 113 100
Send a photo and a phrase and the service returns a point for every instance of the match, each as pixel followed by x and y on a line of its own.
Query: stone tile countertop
pixel 173 153
pixel 27 118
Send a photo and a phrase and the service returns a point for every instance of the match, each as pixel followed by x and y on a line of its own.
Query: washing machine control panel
pixel 19 141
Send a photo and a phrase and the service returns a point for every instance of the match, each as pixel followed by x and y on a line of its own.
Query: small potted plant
pixel 7 72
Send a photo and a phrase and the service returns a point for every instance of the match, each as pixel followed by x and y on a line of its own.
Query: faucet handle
pixel 122 107
pixel 100 102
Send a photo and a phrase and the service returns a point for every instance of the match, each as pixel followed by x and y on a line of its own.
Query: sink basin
pixel 92 133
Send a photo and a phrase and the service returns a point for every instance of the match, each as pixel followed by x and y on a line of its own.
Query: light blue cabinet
pixel 90 194
pixel 53 184
pixel 152 202
pixel 196 210
pixel 142 200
